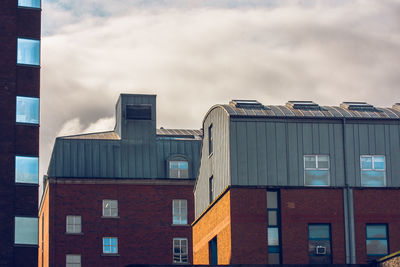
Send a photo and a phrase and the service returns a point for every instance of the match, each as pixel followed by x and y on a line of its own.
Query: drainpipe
pixel 348 207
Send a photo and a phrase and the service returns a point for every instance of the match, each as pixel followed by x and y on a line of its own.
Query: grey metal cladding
pixel 267 146
pixel 217 164
pixel 91 158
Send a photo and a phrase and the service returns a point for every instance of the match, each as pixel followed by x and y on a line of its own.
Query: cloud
pixel 196 57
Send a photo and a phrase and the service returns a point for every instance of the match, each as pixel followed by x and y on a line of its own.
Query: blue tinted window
pixel 273 236
pixel 316 170
pixel 27 110
pixel 318 231
pixel 26 231
pixel 26 170
pixel 377 243
pixel 28 52
pixel 29 3
pixel 110 245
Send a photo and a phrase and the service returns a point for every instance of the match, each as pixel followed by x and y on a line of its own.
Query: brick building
pixel 20 22
pixel 121 197
pixel 297 184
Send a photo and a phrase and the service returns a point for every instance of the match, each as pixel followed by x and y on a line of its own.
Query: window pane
pixel 28 51
pixel 318 231
pixel 376 231
pixel 373 178
pixel 27 110
pixel 173 164
pixel 273 237
pixel 309 162
pixel 183 165
pixel 29 3
pixel 26 230
pixel 272 218
pixel 377 247
pixel 379 162
pixel 272 199
pixel 323 162
pixel 273 258
pixel 26 170
pixel 366 163
pixel 316 177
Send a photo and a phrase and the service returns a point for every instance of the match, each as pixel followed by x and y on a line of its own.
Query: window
pixel 73 260
pixel 179 211
pixel 211 188
pixel 316 170
pixel 26 169
pixel 26 231
pixel 27 110
pixel 110 208
pixel 28 51
pixel 273 228
pixel 180 248
pixel 319 243
pixel 373 170
pixel 178 169
pixel 377 241
pixel 138 112
pixel 213 251
pixel 74 224
pixel 110 245
pixel 210 140
pixel 29 3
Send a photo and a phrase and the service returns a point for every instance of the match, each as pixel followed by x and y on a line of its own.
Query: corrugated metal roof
pixel 325 112
pixel 110 135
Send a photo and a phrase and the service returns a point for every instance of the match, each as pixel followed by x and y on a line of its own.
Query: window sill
pixel 109 217
pixel 26 245
pixel 110 254
pixel 184 225
pixel 67 233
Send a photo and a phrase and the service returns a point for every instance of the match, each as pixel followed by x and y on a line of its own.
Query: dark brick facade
pixel 376 206
pixel 143 227
pixel 16 200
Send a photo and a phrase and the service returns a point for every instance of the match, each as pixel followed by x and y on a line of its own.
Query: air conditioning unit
pixel 320 250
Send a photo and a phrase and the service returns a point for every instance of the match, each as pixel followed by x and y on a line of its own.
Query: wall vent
pixel 305 105
pixel 250 104
pixel 138 112
pixel 358 106
pixel 396 106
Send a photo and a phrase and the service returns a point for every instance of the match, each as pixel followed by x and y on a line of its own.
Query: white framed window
pixel 110 245
pixel 316 170
pixel 180 250
pixel 110 208
pixel 73 224
pixel 178 169
pixel 73 260
pixel 179 211
pixel 373 170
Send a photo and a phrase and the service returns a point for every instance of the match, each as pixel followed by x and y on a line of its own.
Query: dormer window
pixel 138 112
pixel 178 167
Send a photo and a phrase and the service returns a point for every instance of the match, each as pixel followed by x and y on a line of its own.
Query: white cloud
pixel 195 57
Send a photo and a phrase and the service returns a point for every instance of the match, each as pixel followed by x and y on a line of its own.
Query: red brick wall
pixel 249 226
pixel 299 207
pixel 144 227
pixel 376 206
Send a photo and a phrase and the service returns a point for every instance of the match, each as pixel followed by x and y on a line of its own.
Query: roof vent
pixel 305 105
pixel 358 106
pixel 396 106
pixel 250 104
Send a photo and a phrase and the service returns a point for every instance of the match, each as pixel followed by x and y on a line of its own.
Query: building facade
pixel 297 184
pixel 20 22
pixel 121 197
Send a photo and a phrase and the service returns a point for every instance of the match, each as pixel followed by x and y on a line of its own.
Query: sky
pixel 196 53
